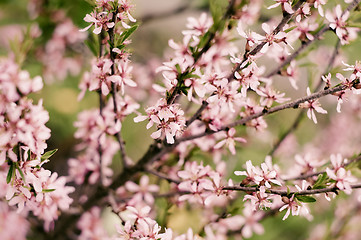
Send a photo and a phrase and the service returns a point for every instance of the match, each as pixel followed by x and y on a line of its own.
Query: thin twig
pixel 120 140
pixel 289 193
pixel 162 175
pixel 293 104
pixel 301 114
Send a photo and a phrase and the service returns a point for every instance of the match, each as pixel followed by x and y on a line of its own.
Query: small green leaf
pixel 184 91
pixel 320 182
pixel 204 39
pixel 306 199
pixel 189 75
pixel 290 29
pixel 126 34
pixel 48 154
pixel 11 172
pixel 48 190
pixel 21 172
pixel 179 70
pixel 110 44
pixel 218 8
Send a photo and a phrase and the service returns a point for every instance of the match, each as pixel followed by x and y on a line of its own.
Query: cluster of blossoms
pixel 339 174
pixel 109 74
pixel 169 119
pixel 203 184
pixel 338 22
pixel 22 143
pixel 97 144
pixel 57 63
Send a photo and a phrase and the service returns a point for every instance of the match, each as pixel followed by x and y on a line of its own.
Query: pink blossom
pixel 266 176
pixel 143 190
pixel 291 205
pixel 169 119
pixel 101 20
pixel 198 27
pixel 318 4
pixel 285 4
pixel 251 222
pixel 271 38
pixel 338 23
pixel 312 105
pixel 100 74
pixel 269 95
pixel 123 77
pixel 250 172
pixel 13 226
pixel 230 141
pixel 91 226
pixel 259 200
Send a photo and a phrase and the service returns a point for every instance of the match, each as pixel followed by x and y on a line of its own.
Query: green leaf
pixel 306 199
pixel 204 39
pixel 179 70
pixel 48 190
pixel 48 154
pixel 218 8
pixel 189 75
pixel 290 29
pixel 126 34
pixel 21 172
pixel 184 91
pixel 11 172
pixel 320 182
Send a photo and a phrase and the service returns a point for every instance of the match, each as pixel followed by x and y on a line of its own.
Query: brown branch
pixel 162 175
pixel 301 114
pixel 289 193
pixel 198 113
pixel 118 136
pixel 293 104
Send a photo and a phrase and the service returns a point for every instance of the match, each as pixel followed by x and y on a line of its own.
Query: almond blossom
pixel 122 77
pixel 285 4
pixel 143 191
pixel 271 38
pixel 291 205
pixel 169 119
pixel 101 20
pixel 338 22
pixel 338 173
pixel 312 106
pixel 230 141
pixel 259 200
